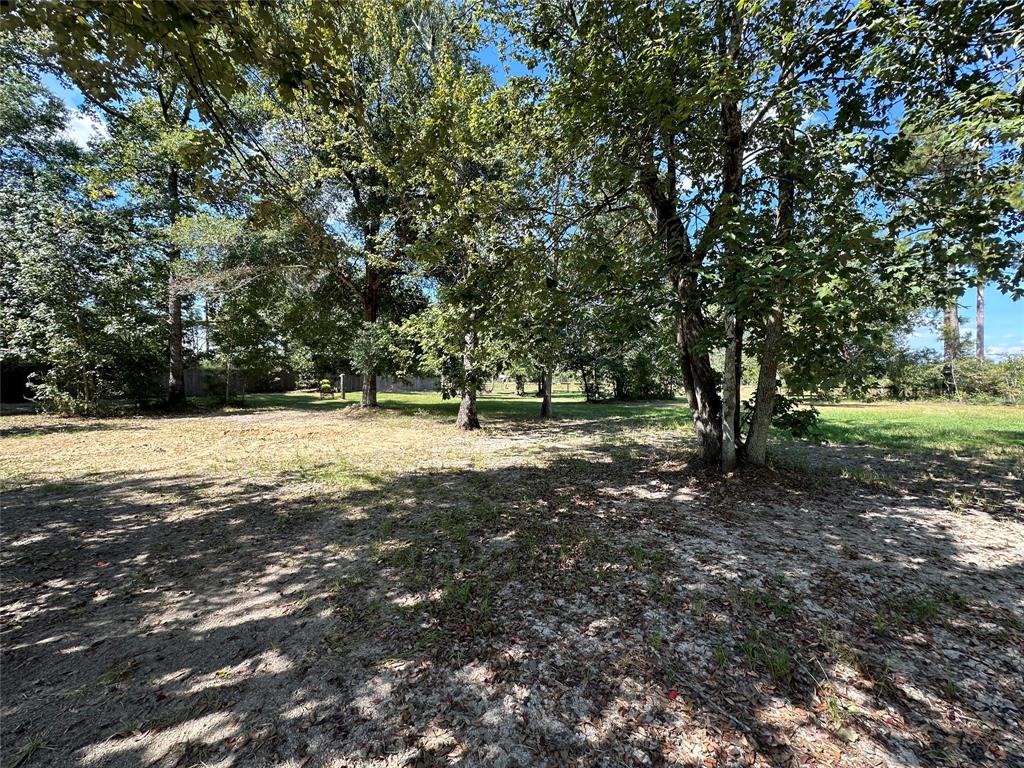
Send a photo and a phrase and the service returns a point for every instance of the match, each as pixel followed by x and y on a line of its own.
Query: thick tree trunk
pixel 706 405
pixel 950 346
pixel 764 398
pixel 467 418
pixel 694 360
pixel 520 386
pixel 979 323
pixel 620 388
pixel 545 404
pixel 730 385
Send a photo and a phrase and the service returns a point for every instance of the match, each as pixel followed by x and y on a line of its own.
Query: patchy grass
pixel 301 581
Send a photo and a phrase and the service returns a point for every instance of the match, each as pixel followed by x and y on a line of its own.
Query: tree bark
pixel 175 336
pixel 729 387
pixel 739 383
pixel 467 418
pixel 764 398
pixel 950 346
pixel 756 449
pixel 545 404
pixel 732 191
pixel 694 361
pixel 520 386
pixel 371 305
pixel 620 387
pixel 979 323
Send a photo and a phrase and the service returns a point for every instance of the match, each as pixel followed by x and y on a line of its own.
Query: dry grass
pixel 318 586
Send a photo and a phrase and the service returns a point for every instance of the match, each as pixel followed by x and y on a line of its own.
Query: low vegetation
pixel 232 585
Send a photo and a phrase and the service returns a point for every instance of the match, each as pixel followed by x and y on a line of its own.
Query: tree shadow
pixel 614 606
pixel 10 429
pixel 991 483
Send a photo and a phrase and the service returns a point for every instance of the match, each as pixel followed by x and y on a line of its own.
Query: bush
pixel 787 416
pixel 981 380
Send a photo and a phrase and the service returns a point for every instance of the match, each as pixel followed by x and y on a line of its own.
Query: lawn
pixel 911 426
pixel 925 426
pixel 297 582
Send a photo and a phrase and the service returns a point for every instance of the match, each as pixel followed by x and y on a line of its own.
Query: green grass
pixel 920 427
pixel 568 406
pixel 924 426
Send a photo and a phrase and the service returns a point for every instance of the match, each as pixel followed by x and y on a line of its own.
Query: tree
pixel 80 276
pixel 701 110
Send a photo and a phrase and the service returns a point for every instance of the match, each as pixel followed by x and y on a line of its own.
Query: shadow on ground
pixel 612 606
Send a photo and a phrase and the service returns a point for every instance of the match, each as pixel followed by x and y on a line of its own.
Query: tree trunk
pixel 467 418
pixel 368 398
pixel 950 346
pixel 371 303
pixel 979 323
pixel 520 385
pixel 176 358
pixel 175 337
pixel 785 218
pixel 764 398
pixel 732 191
pixel 707 405
pixel 620 387
pixel 756 451
pixel 738 398
pixel 545 404
pixel 730 385
pixel 694 361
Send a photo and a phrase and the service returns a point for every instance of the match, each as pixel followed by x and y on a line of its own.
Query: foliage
pixel 79 282
pixel 787 416
pixel 377 348
pixel 980 380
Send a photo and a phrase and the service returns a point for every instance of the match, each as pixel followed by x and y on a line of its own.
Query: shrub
pixel 982 380
pixel 787 416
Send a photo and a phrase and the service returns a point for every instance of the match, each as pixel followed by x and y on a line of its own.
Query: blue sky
pixel 1004 325
pixel 1004 318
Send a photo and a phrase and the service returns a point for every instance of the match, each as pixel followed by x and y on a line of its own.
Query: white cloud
pixel 1003 350
pixel 83 127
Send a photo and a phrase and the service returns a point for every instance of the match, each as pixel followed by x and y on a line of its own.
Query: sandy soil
pixel 299 589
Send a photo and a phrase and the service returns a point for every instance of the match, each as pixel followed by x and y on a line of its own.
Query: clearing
pixel 303 584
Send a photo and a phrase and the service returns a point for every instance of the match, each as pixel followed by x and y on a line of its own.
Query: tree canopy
pixel 687 195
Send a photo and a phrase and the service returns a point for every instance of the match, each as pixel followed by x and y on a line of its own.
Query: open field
pixel 298 583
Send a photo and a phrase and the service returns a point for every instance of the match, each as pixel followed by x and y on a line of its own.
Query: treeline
pixel 650 196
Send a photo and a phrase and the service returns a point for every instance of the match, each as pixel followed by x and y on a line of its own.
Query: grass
pixel 909 426
pixel 414 430
pixel 924 426
pixel 566 406
pixel 425 543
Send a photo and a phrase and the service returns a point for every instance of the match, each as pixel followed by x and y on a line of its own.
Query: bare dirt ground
pixel 290 588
